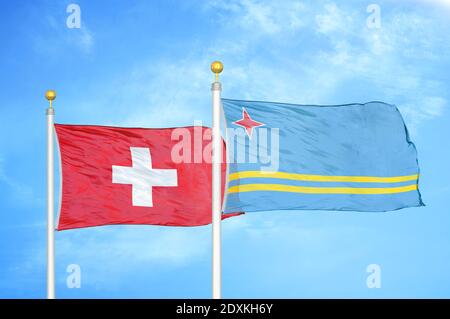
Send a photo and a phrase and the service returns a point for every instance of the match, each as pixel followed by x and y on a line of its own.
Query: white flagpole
pixel 216 88
pixel 50 95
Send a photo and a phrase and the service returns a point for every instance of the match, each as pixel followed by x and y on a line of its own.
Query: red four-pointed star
pixel 247 122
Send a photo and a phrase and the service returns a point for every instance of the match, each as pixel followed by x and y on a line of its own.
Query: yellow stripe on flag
pixel 320 190
pixel 321 178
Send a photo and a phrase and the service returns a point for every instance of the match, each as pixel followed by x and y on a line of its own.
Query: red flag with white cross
pixel 113 175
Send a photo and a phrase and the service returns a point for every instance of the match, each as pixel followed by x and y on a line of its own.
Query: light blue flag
pixel 355 157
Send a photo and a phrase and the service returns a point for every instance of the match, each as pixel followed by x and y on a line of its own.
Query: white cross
pixel 142 176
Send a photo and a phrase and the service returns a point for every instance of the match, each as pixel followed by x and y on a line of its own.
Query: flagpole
pixel 50 95
pixel 216 88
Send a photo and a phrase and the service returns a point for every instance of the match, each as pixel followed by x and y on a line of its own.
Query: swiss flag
pixel 113 175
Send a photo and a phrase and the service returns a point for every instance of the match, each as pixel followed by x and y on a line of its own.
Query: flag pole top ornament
pixel 217 68
pixel 50 95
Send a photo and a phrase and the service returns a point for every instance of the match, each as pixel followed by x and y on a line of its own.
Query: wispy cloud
pixel 332 20
pixel 59 38
pixel 261 17
pixel 301 53
pixel 20 192
pixel 442 3
pixel 142 244
pixel 142 248
pixel 347 52
pixel 84 39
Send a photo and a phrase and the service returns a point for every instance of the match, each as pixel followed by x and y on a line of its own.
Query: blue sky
pixel 146 63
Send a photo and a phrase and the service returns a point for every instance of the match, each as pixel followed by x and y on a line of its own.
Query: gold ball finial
pixel 50 95
pixel 217 68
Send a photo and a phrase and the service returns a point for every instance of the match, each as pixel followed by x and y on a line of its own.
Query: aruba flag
pixel 352 157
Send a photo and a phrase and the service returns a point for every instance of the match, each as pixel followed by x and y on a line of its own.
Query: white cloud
pixel 167 94
pixel 290 52
pixel 435 105
pixel 18 191
pixel 344 52
pixel 421 109
pixel 262 17
pixel 84 39
pixel 147 245
pixel 332 20
pixel 59 38
pixel 109 253
pixel 443 3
